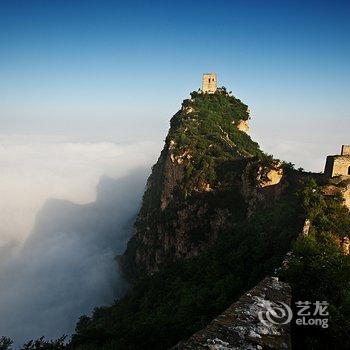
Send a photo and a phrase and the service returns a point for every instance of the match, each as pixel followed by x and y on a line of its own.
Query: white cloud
pixel 33 169
pixel 65 264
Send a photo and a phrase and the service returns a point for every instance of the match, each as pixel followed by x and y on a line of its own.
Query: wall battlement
pixel 338 165
pixel 345 150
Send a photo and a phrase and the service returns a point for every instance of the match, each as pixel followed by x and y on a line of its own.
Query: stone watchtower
pixel 209 83
pixel 338 165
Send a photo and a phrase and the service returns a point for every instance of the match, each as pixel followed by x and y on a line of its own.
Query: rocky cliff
pixel 207 158
pixel 340 186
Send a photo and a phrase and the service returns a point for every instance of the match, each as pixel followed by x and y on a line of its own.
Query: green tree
pixel 5 343
pixel 42 344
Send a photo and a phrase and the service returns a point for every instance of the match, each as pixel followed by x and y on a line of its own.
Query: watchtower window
pixel 349 170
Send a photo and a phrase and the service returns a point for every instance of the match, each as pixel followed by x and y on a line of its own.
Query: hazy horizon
pixel 111 71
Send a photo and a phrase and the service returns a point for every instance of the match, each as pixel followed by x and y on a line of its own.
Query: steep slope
pixel 209 176
pixel 218 215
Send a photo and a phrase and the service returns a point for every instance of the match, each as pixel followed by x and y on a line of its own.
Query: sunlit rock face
pixel 243 125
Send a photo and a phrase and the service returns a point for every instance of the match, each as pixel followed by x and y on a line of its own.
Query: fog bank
pixel 68 209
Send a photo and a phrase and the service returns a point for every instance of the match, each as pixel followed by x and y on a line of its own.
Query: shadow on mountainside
pixel 67 265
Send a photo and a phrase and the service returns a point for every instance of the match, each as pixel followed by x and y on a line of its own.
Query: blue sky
pixel 117 71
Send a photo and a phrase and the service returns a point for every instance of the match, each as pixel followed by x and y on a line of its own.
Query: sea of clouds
pixel 66 211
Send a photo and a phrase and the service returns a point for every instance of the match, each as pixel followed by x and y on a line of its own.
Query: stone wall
pixel 341 165
pixel 328 171
pixel 209 83
pixel 338 165
pixel 239 327
pixel 345 150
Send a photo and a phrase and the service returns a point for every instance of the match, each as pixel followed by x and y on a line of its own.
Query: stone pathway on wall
pixel 239 327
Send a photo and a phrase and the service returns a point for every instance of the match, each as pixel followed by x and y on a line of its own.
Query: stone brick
pixel 338 165
pixel 239 327
pixel 345 150
pixel 209 83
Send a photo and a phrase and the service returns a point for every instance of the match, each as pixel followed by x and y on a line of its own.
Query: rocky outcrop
pixel 208 177
pixel 269 177
pixel 345 246
pixel 169 228
pixel 174 170
pixel 306 228
pixel 175 228
pixel 339 186
pixel 346 195
pixel 244 325
pixel 243 125
pixel 261 185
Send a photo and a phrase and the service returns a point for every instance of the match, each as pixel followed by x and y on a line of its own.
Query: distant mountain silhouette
pixel 109 217
pixel 67 265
